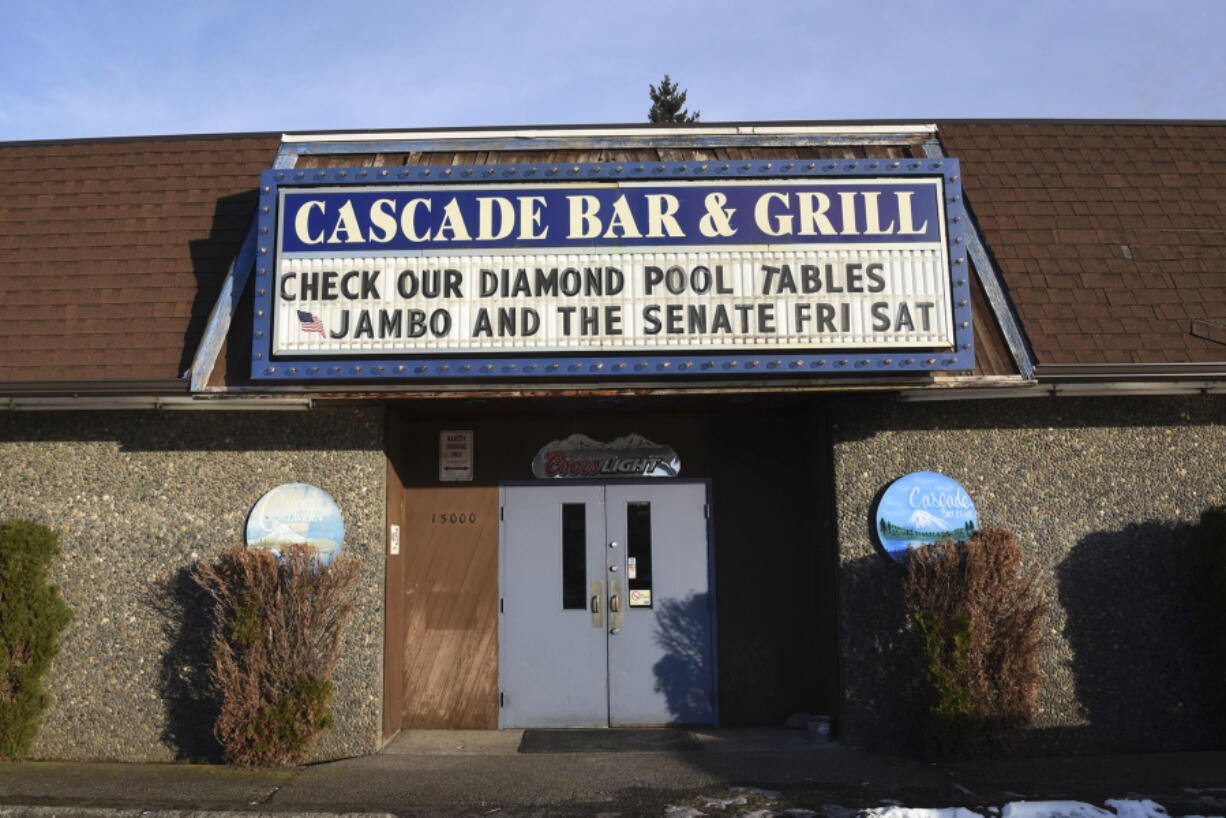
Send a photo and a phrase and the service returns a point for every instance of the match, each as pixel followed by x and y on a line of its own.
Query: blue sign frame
pixel 758 361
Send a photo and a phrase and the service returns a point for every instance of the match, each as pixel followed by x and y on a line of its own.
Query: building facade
pixel 607 412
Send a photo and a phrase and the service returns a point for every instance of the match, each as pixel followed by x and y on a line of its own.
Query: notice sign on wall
pixel 455 455
pixel 419 278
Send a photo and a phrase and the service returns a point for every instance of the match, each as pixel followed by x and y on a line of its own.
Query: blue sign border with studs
pixel 756 361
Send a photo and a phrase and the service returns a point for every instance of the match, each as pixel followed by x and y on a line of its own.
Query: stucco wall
pixel 137 497
pixel 1099 492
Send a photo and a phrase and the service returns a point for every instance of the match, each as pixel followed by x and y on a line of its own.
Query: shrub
pixel 277 624
pixel 975 616
pixel 1209 539
pixel 32 614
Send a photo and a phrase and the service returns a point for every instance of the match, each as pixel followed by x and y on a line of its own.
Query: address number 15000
pixel 453 517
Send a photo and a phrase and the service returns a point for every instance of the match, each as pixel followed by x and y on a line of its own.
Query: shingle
pixel 1116 225
pixel 1156 189
pixel 106 243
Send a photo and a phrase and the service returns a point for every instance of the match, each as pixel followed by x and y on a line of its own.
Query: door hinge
pixel 502 605
pixel 502 513
pixel 706 511
pixel 502 699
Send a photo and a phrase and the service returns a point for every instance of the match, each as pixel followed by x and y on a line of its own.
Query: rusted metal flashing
pixel 520 389
pixel 602 143
pixel 639 133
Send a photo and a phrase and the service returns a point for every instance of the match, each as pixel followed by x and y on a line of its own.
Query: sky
pixel 132 67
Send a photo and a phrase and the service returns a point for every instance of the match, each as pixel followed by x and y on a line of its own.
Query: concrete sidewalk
pixel 481 773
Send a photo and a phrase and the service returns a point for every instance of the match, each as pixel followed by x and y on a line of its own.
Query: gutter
pixel 1081 389
pixel 1057 373
pixel 94 403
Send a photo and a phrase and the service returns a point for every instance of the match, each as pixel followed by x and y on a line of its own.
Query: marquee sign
pixel 609 270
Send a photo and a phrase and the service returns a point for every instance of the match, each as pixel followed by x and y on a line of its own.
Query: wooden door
pixel 449 619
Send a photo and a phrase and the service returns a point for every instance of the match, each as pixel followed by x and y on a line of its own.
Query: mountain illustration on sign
pixel 574 443
pixel 929 532
pixel 633 441
pixel 578 442
pixel 922 519
pixel 630 455
pixel 282 534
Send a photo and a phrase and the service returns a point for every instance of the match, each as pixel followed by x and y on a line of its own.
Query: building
pixel 780 319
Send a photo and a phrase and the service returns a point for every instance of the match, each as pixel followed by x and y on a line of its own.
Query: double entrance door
pixel 606 617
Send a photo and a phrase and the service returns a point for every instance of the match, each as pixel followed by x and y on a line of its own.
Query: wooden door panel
pixel 449 547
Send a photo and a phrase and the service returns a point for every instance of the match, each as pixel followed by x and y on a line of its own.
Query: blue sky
pixel 110 68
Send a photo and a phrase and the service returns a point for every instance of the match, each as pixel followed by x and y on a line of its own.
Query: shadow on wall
pixel 211 259
pixel 326 429
pixel 183 681
pixel 880 705
pixel 685 676
pixel 1139 648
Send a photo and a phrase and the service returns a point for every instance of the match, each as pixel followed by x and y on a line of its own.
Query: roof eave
pixel 1131 372
pixel 94 388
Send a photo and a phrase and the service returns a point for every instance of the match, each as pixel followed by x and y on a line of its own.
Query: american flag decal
pixel 310 323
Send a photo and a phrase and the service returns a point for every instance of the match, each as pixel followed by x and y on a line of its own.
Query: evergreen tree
pixel 32 614
pixel 667 103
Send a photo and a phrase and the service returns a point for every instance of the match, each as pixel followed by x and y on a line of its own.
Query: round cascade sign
pixel 297 513
pixel 920 509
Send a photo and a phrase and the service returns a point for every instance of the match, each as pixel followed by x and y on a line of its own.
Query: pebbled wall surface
pixel 136 498
pixel 1100 493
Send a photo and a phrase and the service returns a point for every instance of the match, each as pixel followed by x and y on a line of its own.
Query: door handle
pixel 615 605
pixel 597 596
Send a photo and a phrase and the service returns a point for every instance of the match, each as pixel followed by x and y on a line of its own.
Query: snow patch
pixel 724 803
pixel 1123 808
pixel 671 811
pixel 916 812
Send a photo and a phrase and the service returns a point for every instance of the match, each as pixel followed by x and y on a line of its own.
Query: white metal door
pixel 606 615
pixel 552 658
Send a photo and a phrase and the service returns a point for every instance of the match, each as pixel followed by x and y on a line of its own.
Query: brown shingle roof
pixel 1111 238
pixel 112 252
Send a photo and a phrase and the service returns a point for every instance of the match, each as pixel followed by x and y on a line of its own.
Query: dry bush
pixel 976 616
pixel 277 624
